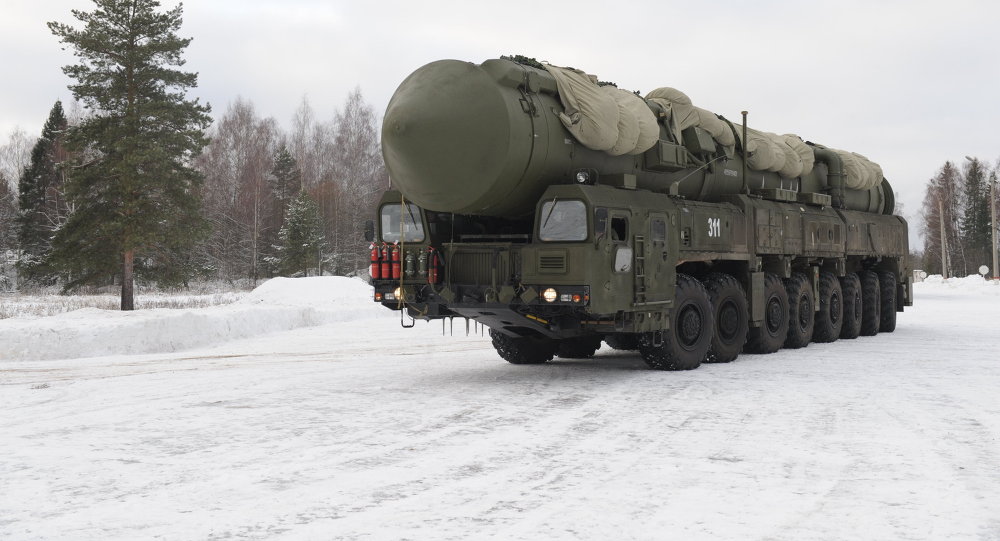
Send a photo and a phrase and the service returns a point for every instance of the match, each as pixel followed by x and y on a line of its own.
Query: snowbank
pixel 277 305
pixel 973 284
pixel 335 293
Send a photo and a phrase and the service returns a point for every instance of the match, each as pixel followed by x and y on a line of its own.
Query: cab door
pixel 658 274
pixel 613 227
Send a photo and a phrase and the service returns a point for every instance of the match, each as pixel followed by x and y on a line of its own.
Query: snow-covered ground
pixel 324 419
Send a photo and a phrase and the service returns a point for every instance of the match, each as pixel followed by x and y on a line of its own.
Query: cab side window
pixel 619 228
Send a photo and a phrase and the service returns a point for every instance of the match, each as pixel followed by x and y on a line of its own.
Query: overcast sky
pixel 910 84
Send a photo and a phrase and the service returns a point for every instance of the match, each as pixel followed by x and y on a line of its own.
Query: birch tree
pixel 238 192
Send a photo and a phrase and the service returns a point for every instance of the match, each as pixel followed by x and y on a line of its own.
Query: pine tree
pixel 285 182
pixel 301 237
pixel 286 179
pixel 976 216
pixel 41 199
pixel 135 195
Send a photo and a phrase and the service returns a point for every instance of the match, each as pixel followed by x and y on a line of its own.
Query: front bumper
pixel 557 313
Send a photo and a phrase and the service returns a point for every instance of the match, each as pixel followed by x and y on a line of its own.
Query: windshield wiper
pixel 413 219
pixel 551 210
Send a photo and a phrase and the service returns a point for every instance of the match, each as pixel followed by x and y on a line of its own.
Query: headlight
pixel 550 295
pixel 398 292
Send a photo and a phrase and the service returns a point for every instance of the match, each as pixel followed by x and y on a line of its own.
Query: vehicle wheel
pixel 729 310
pixel 524 349
pixel 685 345
pixel 887 291
pixel 851 287
pixel 800 311
pixel 870 303
pixel 622 341
pixel 830 318
pixel 772 332
pixel 581 347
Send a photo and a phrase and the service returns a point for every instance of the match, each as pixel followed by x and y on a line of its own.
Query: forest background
pixel 259 180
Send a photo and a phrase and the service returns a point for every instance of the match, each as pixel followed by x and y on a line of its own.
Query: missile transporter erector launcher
pixel 559 213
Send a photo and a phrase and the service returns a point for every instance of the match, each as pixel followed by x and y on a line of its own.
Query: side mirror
pixel 623 259
pixel 369 230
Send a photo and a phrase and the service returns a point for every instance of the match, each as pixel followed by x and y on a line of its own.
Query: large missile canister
pixel 483 139
pixel 455 140
pixel 487 139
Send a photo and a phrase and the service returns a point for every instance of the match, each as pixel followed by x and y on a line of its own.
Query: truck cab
pixel 586 259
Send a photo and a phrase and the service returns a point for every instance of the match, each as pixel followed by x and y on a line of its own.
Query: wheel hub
pixel 805 310
pixel 774 315
pixel 729 321
pixel 690 326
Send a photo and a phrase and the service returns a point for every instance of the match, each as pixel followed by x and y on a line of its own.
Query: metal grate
pixel 482 267
pixel 552 263
pixel 471 268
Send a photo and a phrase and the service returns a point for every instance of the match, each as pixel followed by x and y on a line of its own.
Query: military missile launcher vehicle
pixel 560 212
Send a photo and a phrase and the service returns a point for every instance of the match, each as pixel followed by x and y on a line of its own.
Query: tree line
pixel 289 203
pixel 957 204
pixel 137 182
pixel 276 202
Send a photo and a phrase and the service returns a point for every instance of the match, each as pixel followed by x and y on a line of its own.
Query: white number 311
pixel 714 227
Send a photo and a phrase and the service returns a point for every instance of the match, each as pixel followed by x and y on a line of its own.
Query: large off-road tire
pixel 772 332
pixel 523 349
pixel 729 309
pixel 685 345
pixel 830 317
pixel 887 309
pixel 581 347
pixel 622 341
pixel 851 286
pixel 870 303
pixel 801 311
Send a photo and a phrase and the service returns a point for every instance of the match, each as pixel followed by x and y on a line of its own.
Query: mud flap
pixel 756 299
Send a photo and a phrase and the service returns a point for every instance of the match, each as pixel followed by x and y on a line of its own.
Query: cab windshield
pixel 405 228
pixel 562 221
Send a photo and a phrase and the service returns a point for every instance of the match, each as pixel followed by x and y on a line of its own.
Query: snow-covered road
pixel 364 430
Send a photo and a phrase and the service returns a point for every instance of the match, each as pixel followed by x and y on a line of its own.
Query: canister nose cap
pixel 446 138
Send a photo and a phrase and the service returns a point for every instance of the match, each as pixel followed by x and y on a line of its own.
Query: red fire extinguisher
pixel 376 268
pixel 396 270
pixel 432 267
pixel 385 262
